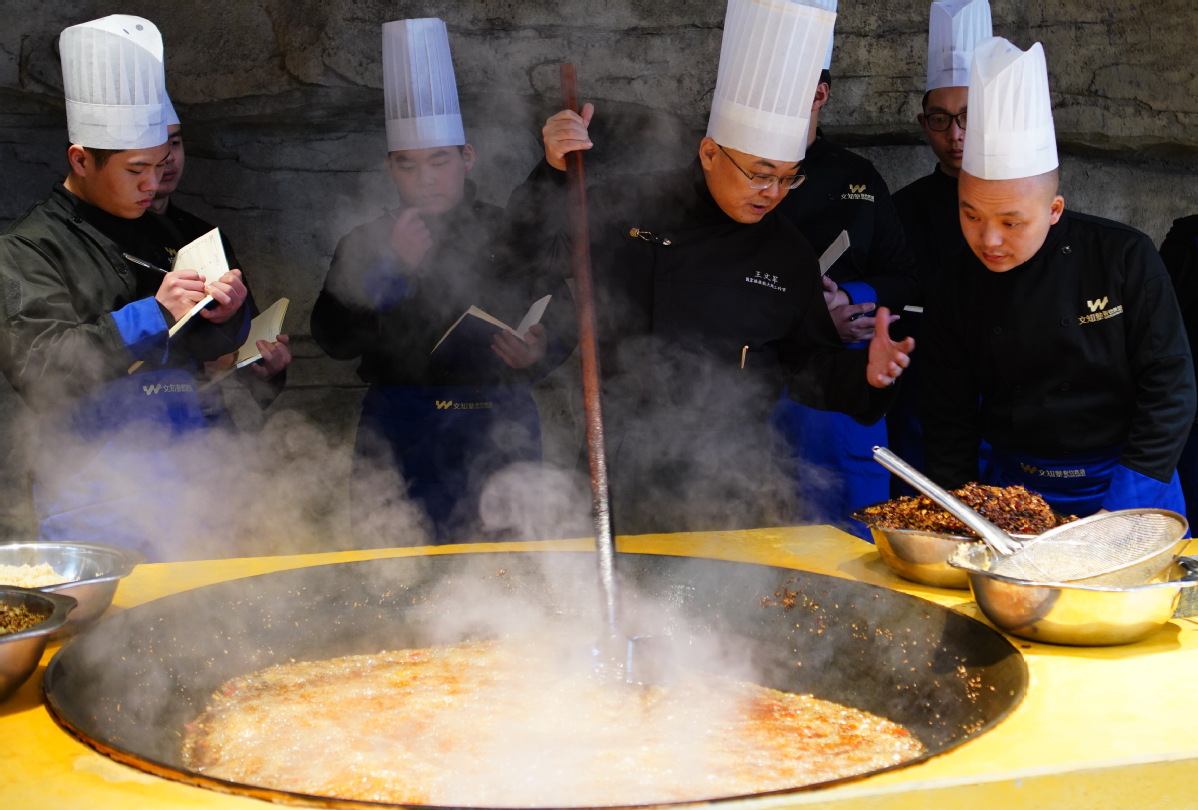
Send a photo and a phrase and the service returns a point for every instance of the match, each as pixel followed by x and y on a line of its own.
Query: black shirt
pixel 391 316
pixel 1079 349
pixel 930 214
pixel 843 191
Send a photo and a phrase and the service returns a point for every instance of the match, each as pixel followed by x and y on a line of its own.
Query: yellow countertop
pixel 1100 727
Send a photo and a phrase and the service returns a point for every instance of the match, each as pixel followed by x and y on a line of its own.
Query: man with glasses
pixel 708 302
pixel 928 206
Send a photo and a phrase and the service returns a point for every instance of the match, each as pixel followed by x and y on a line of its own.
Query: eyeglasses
pixel 939 122
pixel 760 181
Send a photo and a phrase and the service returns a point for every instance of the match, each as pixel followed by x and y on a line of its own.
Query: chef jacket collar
pixel 1054 244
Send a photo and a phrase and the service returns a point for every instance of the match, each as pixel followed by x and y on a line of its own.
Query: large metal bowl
pixel 922 556
pixel 93 569
pixel 1077 615
pixel 21 651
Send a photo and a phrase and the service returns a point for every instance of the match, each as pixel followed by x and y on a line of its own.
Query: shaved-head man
pixel 1057 339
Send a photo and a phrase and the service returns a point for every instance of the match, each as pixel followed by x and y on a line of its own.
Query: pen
pixel 144 263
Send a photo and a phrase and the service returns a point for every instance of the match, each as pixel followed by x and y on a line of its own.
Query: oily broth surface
pixel 498 724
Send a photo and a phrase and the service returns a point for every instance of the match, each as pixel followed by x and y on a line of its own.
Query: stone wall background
pixel 282 104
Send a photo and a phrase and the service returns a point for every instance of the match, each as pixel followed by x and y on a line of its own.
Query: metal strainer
pixel 1115 549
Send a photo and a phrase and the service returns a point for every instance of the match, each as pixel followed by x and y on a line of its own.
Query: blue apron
pixel 1082 484
pixel 837 474
pixel 107 470
pixel 444 442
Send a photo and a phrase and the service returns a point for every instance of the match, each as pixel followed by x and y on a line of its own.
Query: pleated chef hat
pixel 419 88
pixel 168 111
pixel 114 83
pixel 1010 133
pixel 954 27
pixel 770 60
pixel 827 5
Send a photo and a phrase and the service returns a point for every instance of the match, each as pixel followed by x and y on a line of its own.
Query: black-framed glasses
pixel 939 122
pixel 760 181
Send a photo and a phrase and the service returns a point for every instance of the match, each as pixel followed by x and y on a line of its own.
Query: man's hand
pixel 519 353
pixel 229 293
pixel 410 238
pixel 275 357
pixel 179 291
pixel 887 359
pixel 852 323
pixel 566 132
pixel 856 322
pixel 834 296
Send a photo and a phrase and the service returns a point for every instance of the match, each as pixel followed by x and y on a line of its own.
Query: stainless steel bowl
pixel 1078 615
pixel 20 652
pixel 922 556
pixel 93 569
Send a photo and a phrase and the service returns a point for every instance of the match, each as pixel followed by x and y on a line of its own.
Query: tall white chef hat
pixel 770 61
pixel 1010 133
pixel 954 27
pixel 826 5
pixel 114 83
pixel 419 87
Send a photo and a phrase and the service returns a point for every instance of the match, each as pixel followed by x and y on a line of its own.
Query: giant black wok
pixel 130 684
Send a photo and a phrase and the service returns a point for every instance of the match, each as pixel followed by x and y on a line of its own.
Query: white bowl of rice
pixel 90 572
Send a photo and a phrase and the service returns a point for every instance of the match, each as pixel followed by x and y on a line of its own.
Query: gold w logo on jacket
pixel 151 390
pixel 1098 303
pixel 444 404
pixel 856 189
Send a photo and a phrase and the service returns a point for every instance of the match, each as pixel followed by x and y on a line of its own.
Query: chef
pixel 172 227
pixel 1179 252
pixel 1058 340
pixel 708 301
pixel 81 309
pixel 928 206
pixel 433 431
pixel 844 193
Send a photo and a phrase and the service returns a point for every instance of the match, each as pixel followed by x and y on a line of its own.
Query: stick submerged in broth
pixel 584 298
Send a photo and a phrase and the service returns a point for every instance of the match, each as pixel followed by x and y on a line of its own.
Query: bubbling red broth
pixel 499 724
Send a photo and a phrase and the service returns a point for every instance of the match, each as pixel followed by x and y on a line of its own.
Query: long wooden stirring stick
pixel 584 299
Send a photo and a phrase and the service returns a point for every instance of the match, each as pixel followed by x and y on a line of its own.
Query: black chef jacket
pixel 1180 254
pixel 931 219
pixel 394 330
pixel 701 321
pixel 843 191
pixel 1079 349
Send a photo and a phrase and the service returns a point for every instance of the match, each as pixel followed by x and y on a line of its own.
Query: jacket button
pixel 998 330
pixel 77 219
pixel 1066 250
pixel 1065 321
pixel 1064 386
